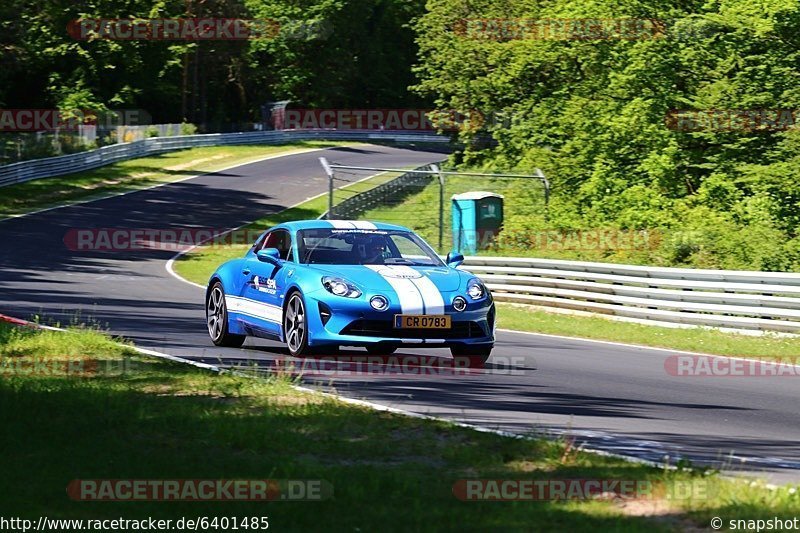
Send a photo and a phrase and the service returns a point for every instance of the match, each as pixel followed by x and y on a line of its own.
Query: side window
pixel 266 241
pixel 259 244
pixel 281 240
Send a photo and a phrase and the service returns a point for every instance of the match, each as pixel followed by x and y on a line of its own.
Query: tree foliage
pixel 328 53
pixel 594 115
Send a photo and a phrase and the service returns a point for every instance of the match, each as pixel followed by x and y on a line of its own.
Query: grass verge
pixel 160 420
pixel 701 340
pixel 136 174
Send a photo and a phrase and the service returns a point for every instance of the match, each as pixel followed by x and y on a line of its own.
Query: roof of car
pixel 339 224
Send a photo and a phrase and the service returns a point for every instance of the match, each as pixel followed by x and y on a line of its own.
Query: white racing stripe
pixel 431 297
pixel 364 225
pixel 271 313
pixel 417 293
pixel 434 303
pixel 402 271
pixel 410 297
pixel 341 224
pixel 407 292
pixel 352 224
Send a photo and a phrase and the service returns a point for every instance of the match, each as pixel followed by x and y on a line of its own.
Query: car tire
pixel 295 325
pixel 217 319
pixel 381 349
pixel 475 355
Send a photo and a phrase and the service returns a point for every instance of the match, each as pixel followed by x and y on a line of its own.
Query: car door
pixel 264 286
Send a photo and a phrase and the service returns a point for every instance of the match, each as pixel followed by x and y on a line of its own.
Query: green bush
pixel 188 129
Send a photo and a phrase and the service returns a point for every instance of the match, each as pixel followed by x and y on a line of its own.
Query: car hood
pixel 380 277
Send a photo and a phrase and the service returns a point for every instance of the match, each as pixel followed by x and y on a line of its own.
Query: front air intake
pixel 324 313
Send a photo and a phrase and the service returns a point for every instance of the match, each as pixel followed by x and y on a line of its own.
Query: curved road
pixel 615 398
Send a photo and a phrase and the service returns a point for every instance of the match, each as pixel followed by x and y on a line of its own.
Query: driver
pixel 373 251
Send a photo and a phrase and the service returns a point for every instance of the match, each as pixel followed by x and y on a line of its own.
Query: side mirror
pixel 454 259
pixel 269 255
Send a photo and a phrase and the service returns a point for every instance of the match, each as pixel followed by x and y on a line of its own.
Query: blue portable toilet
pixel 477 219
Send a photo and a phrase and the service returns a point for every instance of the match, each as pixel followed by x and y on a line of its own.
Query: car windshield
pixel 333 246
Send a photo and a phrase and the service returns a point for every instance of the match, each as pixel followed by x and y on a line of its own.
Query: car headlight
pixel 475 289
pixel 340 287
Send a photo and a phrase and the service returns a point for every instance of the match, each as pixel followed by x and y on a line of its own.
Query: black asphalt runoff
pixel 612 397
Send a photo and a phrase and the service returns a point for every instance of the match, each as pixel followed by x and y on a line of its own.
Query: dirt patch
pixel 645 507
pixel 193 162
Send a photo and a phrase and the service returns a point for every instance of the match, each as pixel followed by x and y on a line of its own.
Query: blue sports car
pixel 320 284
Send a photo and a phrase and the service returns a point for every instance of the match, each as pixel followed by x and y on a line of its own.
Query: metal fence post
pixel 438 170
pixel 539 174
pixel 329 172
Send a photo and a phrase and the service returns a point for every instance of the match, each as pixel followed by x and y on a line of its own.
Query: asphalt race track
pixel 614 398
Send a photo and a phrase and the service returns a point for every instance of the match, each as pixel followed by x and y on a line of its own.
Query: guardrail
pixel 68 164
pixel 742 300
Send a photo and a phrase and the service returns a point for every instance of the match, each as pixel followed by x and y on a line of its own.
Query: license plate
pixel 422 321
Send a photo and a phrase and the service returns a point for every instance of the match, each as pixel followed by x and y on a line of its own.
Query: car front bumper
pixel 342 322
